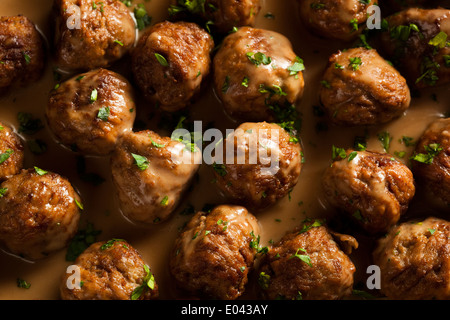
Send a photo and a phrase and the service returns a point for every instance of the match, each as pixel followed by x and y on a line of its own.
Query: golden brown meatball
pixel 255 72
pixel 265 164
pixel 213 256
pixel 414 259
pixel 331 19
pixel 306 264
pixel 22 57
pixel 359 87
pixel 39 213
pixel 110 270
pixel 372 188
pixel 416 42
pixel 106 31
pixel 431 159
pixel 221 15
pixel 11 152
pixel 90 112
pixel 151 174
pixel 170 61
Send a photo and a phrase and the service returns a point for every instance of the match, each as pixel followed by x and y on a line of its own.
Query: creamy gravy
pixel 155 243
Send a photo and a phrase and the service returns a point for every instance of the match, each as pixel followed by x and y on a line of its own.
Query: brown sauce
pixel 155 243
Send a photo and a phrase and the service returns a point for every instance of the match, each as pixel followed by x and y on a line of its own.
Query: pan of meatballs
pixel 224 150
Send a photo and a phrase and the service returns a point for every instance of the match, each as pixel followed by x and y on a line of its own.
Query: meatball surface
pixel 90 112
pixel 39 213
pixel 11 152
pixel 22 53
pixel 212 257
pixel 414 259
pixel 266 164
pixel 110 270
pixel 431 160
pixel 372 188
pixel 151 174
pixel 331 19
pixel 255 72
pixel 222 14
pixel 415 42
pixel 90 34
pixel 170 61
pixel 306 264
pixel 359 88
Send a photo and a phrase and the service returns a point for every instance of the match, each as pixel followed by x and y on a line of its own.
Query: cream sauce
pixel 155 243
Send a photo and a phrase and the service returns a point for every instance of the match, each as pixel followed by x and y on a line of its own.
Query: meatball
pixel 90 34
pixel 151 173
pixel 431 160
pixel 11 152
pixel 415 41
pixel 359 87
pixel 372 188
pixel 256 72
pixel 214 254
pixel 39 213
pixel 342 20
pixel 266 164
pixel 414 259
pixel 224 15
pixel 90 112
pixel 307 264
pixel 22 57
pixel 170 61
pixel 110 270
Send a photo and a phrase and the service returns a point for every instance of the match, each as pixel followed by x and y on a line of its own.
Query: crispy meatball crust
pixel 414 259
pixel 22 53
pixel 306 264
pixel 372 188
pixel 421 63
pixel 435 174
pixel 106 33
pixel 149 193
pixel 90 112
pixel 254 72
pixel 39 214
pixel 214 254
pixel 110 270
pixel 170 61
pixel 266 165
pixel 331 19
pixel 11 152
pixel 360 88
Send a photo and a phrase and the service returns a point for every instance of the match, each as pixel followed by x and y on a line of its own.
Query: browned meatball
pixel 221 15
pixel 307 264
pixel 22 56
pixel 414 259
pixel 151 173
pixel 213 256
pixel 256 72
pixel 415 42
pixel 39 213
pixel 106 31
pixel 90 112
pixel 110 270
pixel 11 152
pixel 373 188
pixel 265 164
pixel 431 160
pixel 342 20
pixel 170 61
pixel 359 87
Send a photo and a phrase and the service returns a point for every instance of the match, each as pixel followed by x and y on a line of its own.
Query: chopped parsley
pixel 432 150
pixel 103 113
pixel 165 201
pixel 385 139
pixel 39 171
pixel 3 192
pixel 297 67
pixel 303 257
pixel 439 41
pixel 162 61
pixel 338 152
pixel 81 241
pixel 142 18
pixel 220 169
pixel 108 244
pixel 23 284
pixel 94 96
pixel 258 58
pixel 28 124
pixel 147 283
pixel 264 280
pixel 140 161
pixel 4 156
pixel 355 62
